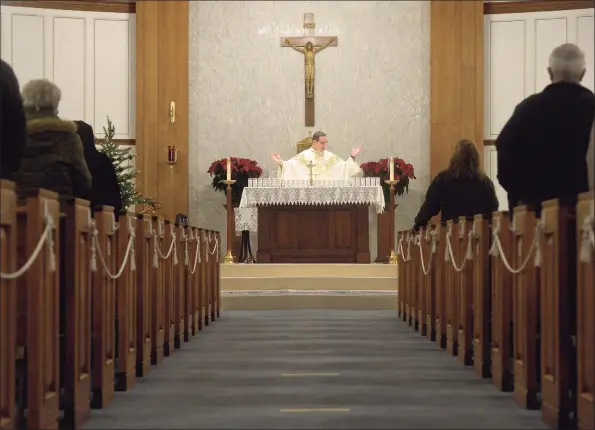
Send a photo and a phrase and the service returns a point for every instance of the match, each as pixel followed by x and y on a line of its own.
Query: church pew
pixel 481 295
pixel 408 274
pixel 414 279
pixel 169 288
pixel 502 308
pixel 422 250
pixel 203 279
pixel 440 285
pixel 526 311
pixel 126 302
pixel 38 292
pixel 452 290
pixel 218 276
pixel 465 290
pixel 103 302
pixel 144 272
pixel 192 297
pixel 75 253
pixel 179 272
pixel 585 312
pixel 558 312
pixel 157 323
pixel 429 282
pixel 210 257
pixel 8 317
pixel 401 274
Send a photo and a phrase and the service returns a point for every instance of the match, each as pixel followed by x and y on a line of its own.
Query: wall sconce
pixel 172 156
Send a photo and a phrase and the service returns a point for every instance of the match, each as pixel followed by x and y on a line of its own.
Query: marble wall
pixel 247 96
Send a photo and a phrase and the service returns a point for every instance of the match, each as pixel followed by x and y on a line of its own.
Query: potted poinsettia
pixel 404 172
pixel 241 170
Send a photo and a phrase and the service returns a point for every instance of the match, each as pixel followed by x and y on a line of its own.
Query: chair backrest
pixel 304 144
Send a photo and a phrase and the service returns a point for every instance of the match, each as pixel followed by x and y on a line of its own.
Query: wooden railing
pixel 514 297
pixel 89 304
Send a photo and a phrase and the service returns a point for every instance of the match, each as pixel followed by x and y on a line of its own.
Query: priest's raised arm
pixel 324 164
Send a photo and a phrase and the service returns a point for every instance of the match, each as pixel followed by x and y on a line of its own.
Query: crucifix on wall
pixel 309 45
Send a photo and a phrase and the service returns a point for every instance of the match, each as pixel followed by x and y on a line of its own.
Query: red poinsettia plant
pixel 404 172
pixel 241 170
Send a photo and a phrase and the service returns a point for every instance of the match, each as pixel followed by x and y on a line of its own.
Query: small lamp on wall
pixel 172 156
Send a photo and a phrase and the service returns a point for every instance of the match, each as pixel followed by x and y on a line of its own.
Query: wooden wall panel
pixel 162 77
pixel 456 78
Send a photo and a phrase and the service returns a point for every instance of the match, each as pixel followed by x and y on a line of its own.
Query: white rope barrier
pixel 426 268
pixel 96 250
pixel 449 254
pixel 197 253
pixel 497 251
pixel 212 237
pixel 588 236
pixel 46 237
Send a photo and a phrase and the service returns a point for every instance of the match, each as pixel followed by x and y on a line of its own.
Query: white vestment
pixel 326 165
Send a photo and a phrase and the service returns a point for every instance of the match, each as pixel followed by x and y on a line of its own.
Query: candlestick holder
pixel 229 257
pixel 392 257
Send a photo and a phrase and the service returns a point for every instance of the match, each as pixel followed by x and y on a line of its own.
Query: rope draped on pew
pixel 497 251
pixel 417 241
pixel 96 249
pixel 208 241
pixel 449 255
pixel 46 237
pixel 400 250
pixel 157 249
pixel 196 254
pixel 588 236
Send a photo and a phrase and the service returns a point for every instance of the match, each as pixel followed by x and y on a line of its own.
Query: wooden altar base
pixel 308 286
pixel 313 234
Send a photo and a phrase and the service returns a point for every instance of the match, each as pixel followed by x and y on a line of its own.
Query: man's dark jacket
pixel 12 122
pixel 542 148
pixel 105 190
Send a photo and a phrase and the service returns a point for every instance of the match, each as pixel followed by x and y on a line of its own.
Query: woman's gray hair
pixel 567 63
pixel 41 94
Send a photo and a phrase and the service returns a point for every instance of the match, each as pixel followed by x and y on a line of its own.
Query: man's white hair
pixel 567 63
pixel 41 94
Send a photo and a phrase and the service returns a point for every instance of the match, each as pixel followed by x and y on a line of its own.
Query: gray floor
pixel 265 369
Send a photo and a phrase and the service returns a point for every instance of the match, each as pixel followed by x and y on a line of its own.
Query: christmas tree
pixel 124 171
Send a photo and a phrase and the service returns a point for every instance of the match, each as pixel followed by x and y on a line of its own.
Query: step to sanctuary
pixel 308 286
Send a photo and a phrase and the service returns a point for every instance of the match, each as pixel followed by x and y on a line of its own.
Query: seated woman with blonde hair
pixel 463 189
pixel 53 158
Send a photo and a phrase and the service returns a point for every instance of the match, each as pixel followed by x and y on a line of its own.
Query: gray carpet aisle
pixel 312 370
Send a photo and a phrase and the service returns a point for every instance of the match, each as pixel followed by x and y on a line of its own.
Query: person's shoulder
pixel 51 124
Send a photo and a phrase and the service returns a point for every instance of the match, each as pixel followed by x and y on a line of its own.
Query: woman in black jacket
pixel 463 189
pixel 105 190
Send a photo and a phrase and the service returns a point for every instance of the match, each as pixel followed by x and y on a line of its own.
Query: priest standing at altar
pixel 324 164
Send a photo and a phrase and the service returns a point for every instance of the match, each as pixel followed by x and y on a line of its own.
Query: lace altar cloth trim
pixel 365 181
pixel 309 293
pixel 354 195
pixel 246 219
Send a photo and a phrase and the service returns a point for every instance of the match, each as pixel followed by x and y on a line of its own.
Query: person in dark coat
pixel 463 189
pixel 105 190
pixel 542 148
pixel 53 157
pixel 12 122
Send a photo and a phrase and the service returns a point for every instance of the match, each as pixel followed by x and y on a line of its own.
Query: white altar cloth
pixel 272 191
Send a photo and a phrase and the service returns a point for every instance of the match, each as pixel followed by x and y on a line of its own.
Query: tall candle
pixel 228 170
pixel 392 169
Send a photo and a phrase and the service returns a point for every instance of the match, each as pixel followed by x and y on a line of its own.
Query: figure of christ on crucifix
pixel 309 46
pixel 309 52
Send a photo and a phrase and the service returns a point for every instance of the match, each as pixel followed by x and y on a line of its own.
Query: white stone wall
pixel 247 92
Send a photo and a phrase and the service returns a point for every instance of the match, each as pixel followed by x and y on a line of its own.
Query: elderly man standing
pixel 542 149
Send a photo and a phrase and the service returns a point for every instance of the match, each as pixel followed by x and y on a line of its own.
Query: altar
pixel 322 221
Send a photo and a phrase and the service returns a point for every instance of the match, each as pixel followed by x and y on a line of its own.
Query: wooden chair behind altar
pixel 304 144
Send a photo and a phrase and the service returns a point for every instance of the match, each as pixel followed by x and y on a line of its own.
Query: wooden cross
pixel 309 46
